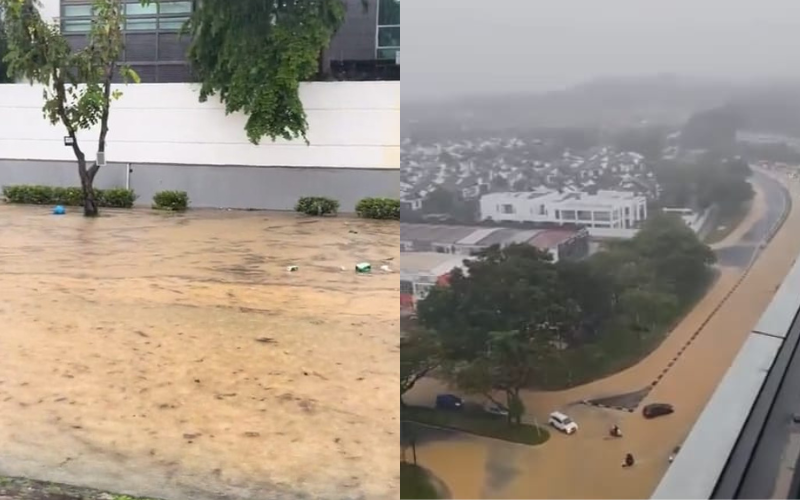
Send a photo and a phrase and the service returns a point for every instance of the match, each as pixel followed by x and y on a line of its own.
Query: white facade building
pixel 606 209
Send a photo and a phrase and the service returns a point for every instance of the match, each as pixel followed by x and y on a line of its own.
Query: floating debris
pixel 363 267
pixel 292 269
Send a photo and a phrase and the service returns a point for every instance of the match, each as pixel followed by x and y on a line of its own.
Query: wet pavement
pixel 175 356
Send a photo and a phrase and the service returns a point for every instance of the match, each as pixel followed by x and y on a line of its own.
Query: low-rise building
pixel 605 209
pixel 420 272
pixel 561 243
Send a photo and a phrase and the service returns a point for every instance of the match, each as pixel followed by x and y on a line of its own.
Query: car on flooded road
pixel 654 410
pixel 563 423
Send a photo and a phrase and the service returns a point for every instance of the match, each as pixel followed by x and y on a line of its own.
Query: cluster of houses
pixel 472 169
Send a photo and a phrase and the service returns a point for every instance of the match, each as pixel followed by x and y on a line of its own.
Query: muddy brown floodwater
pixel 175 356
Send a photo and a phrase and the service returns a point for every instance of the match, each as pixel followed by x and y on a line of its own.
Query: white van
pixel 562 423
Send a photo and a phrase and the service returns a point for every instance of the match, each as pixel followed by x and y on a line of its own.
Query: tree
pixel 255 53
pixel 419 356
pixel 506 366
pixel 499 321
pixel 5 77
pixel 77 84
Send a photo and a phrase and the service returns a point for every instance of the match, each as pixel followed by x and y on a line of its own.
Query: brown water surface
pixel 175 355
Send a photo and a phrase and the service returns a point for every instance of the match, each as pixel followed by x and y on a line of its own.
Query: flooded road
pixel 175 355
pixel 474 467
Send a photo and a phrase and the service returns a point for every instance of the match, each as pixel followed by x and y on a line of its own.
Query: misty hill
pixel 611 103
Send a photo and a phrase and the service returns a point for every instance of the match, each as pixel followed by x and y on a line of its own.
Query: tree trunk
pixel 87 181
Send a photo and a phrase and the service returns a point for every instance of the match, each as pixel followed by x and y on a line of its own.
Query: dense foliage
pixel 39 53
pixel 254 54
pixel 67 196
pixel 317 205
pixel 171 200
pixel 709 181
pixel 378 208
pixel 516 319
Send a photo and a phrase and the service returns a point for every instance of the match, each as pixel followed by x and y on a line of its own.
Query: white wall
pixel 351 124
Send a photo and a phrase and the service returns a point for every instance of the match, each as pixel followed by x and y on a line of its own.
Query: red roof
pixel 551 238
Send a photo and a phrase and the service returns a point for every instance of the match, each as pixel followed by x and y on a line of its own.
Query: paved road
pixel 537 472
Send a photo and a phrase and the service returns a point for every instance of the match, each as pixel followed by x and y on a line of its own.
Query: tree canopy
pixel 255 53
pixel 709 181
pixel 515 319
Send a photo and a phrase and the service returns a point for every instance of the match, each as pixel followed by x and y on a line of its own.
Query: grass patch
pixel 415 483
pixel 726 222
pixel 619 348
pixel 476 422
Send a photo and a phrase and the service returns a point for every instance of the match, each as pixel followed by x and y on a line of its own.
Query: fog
pixel 453 48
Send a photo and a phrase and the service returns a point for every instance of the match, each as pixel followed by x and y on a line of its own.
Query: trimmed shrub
pixel 115 197
pixel 378 208
pixel 317 205
pixel 68 196
pixel 176 201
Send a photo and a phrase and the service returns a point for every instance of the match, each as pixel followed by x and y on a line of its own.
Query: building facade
pixel 605 209
pixel 162 138
pixel 366 47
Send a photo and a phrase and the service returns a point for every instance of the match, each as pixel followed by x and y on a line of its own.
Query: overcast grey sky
pixel 456 47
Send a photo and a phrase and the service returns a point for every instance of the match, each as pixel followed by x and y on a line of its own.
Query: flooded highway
pixel 176 356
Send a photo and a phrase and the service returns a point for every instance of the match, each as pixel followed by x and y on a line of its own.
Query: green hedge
pixel 317 205
pixel 68 196
pixel 378 208
pixel 171 200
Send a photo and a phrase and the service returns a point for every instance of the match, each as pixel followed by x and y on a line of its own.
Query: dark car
pixel 449 402
pixel 654 410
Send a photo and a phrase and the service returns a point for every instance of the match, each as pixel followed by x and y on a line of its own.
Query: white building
pixel 606 209
pixel 421 271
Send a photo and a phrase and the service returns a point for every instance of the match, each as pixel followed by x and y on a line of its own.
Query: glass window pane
pixel 388 12
pixel 172 24
pixel 75 26
pixel 77 10
pixel 176 7
pixel 137 9
pixel 387 54
pixel 147 23
pixel 388 37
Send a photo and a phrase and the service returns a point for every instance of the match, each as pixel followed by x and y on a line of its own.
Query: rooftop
pixel 433 263
pixel 478 236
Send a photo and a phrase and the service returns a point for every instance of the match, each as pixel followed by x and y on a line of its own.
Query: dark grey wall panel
pixel 355 40
pixel 273 188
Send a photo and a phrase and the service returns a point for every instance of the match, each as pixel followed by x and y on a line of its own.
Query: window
pixel 388 42
pixel 175 8
pixel 507 209
pixel 141 24
pixel 406 287
pixel 77 11
pixel 137 9
pixel 76 26
pixel 602 216
pixel 568 214
pixel 584 215
pixel 167 16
